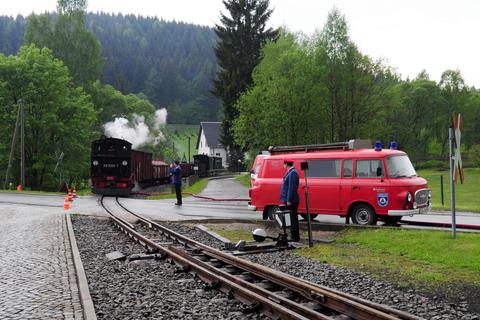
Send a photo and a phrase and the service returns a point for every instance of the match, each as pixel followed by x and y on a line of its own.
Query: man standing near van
pixel 176 172
pixel 289 195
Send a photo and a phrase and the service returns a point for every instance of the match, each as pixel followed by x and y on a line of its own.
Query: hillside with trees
pixel 172 63
pixel 77 72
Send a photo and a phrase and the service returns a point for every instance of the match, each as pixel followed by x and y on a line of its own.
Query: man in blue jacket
pixel 176 173
pixel 289 195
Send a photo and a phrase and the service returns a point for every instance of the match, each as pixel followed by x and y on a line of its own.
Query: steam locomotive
pixel 116 168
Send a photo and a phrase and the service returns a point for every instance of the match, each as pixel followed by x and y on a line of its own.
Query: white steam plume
pixel 160 118
pixel 137 131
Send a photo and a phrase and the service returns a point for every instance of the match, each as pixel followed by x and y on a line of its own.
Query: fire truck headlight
pixel 124 162
pixel 429 194
pixel 95 162
pixel 409 197
pixel 414 205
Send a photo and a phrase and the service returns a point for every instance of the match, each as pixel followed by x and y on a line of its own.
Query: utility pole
pixel 188 149
pixel 22 142
pixel 12 148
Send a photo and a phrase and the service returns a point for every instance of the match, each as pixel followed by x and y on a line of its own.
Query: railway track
pixel 260 288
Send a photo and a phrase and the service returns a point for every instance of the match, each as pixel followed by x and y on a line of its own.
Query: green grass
pixel 84 192
pixel 234 235
pixel 428 258
pixel 197 187
pixel 467 195
pixel 244 180
pixel 180 134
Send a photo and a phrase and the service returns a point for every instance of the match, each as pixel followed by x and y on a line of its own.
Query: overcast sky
pixel 411 35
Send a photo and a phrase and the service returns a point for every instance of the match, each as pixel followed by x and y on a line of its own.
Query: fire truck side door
pixel 346 185
pixel 323 186
pixel 368 187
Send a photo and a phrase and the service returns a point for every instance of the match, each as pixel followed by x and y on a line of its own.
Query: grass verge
pixel 244 180
pixel 411 257
pixel 467 196
pixel 180 135
pixel 231 233
pixel 197 187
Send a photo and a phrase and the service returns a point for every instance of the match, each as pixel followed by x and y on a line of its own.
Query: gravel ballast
pixel 154 289
pixel 144 289
pixel 358 284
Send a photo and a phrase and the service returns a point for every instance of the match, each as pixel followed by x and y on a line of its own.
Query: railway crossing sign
pixel 457 125
pixel 456 165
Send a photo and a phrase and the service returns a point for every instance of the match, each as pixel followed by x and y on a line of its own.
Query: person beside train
pixel 289 196
pixel 176 173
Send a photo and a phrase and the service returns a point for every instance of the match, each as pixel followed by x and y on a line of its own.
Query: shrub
pixel 474 155
pixel 433 164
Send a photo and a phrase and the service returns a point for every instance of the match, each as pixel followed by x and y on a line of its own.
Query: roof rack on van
pixel 347 145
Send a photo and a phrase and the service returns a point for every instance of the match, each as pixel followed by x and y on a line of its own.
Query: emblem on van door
pixel 382 199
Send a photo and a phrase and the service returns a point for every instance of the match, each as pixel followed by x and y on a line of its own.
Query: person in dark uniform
pixel 176 173
pixel 289 195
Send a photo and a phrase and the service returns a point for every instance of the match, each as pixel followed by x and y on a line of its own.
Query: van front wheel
pixel 364 215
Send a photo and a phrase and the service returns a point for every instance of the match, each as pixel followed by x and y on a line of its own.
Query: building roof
pixel 211 130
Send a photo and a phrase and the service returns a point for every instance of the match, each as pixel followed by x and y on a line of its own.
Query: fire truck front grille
pixel 421 197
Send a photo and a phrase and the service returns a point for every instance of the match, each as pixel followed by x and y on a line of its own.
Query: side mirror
pixel 252 172
pixel 379 172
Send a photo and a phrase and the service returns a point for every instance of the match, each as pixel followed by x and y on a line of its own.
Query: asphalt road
pixel 195 208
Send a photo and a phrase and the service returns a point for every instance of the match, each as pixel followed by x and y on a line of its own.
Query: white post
pixel 451 137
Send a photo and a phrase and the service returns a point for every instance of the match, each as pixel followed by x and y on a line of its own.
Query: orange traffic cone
pixel 66 204
pixel 70 197
pixel 19 188
pixel 74 193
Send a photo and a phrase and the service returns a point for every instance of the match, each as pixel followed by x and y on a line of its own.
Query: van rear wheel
pixel 312 216
pixel 364 215
pixel 271 212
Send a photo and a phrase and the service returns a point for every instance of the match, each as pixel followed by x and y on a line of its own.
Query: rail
pixel 272 292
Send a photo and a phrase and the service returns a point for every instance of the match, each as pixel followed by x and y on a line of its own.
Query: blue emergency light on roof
pixel 393 145
pixel 378 145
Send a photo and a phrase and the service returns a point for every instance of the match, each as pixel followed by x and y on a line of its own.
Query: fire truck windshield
pixel 400 167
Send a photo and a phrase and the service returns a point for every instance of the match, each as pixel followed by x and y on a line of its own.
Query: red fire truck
pixel 350 179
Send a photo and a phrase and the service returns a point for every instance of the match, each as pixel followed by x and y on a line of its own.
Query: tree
pixel 285 104
pixel 69 7
pixel 58 117
pixel 241 36
pixel 65 34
